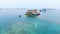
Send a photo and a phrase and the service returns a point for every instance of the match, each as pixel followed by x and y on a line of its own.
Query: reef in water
pixel 22 28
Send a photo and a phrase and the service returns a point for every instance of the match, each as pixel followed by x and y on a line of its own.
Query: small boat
pixel 32 13
pixel 19 16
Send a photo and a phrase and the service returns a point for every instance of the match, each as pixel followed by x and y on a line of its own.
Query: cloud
pixel 39 3
pixel 30 3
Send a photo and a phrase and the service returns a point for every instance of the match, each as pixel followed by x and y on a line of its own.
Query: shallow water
pixel 47 23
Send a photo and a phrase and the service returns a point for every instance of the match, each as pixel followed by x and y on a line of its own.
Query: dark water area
pixel 46 23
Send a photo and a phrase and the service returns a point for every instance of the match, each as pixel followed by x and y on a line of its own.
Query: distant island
pixel 50 9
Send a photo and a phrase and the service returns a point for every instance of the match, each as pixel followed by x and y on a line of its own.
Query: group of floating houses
pixel 34 12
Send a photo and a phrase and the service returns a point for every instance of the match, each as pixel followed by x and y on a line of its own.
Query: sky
pixel 30 4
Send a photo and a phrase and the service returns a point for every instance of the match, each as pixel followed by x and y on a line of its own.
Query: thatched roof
pixel 33 10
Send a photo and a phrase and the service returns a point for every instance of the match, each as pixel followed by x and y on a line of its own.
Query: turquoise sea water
pixel 47 23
